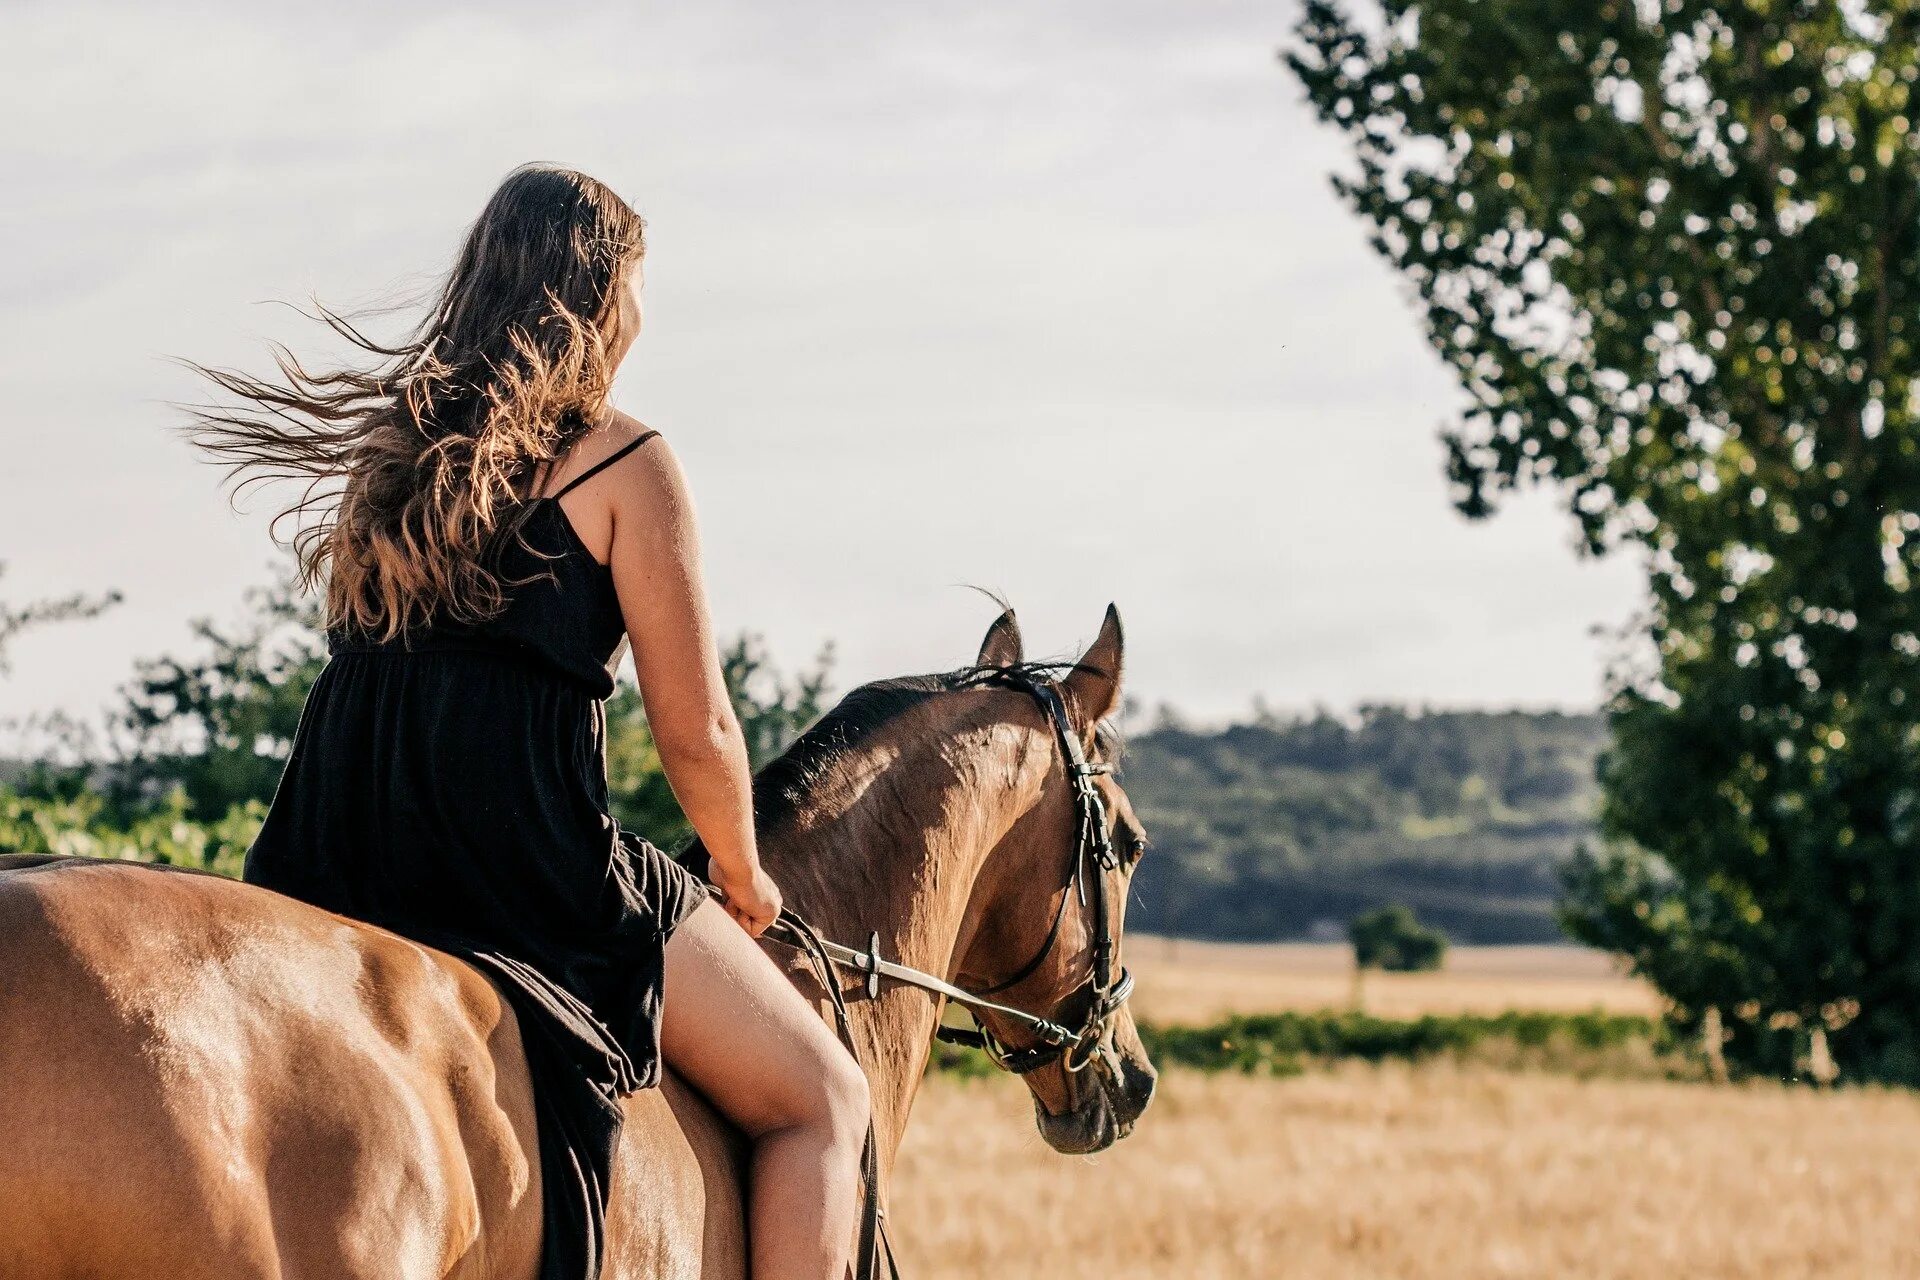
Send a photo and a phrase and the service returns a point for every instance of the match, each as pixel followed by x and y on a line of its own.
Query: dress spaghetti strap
pixel 602 465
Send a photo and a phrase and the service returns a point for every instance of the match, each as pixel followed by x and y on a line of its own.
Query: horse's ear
pixel 1002 647
pixel 1094 682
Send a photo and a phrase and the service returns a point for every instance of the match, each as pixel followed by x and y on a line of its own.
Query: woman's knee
pixel 829 1096
pixel 845 1101
pixel 821 1089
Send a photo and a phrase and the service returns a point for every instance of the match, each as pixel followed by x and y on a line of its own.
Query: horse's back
pixel 204 1078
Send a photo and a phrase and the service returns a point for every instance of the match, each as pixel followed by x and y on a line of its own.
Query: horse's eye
pixel 1132 845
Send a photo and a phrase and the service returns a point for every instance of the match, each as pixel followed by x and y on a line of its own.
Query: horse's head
pixel 1047 900
pixel 967 826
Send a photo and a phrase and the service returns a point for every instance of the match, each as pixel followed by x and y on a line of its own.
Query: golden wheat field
pixel 1183 981
pixel 1435 1172
pixel 1428 1173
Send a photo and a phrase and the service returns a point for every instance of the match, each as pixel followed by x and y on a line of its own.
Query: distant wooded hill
pixel 1288 828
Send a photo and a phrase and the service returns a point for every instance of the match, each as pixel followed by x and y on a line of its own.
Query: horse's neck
pixel 917 920
pixel 906 871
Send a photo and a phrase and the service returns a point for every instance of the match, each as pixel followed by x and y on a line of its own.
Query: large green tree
pixel 1669 249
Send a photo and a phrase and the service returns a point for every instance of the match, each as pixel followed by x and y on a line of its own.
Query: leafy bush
pixel 79 827
pixel 1391 938
pixel 1594 1043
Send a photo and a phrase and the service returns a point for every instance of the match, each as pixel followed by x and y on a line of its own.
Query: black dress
pixel 452 786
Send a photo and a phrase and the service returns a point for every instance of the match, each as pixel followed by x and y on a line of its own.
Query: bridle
pixel 1107 986
pixel 1094 859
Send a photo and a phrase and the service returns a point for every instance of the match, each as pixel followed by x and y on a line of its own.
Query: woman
pixel 491 532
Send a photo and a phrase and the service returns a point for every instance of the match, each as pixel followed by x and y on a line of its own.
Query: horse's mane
pixel 781 787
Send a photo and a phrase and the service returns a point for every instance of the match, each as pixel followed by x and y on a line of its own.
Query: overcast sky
pixel 1052 299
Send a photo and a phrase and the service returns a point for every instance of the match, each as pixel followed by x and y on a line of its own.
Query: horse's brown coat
pixel 202 1078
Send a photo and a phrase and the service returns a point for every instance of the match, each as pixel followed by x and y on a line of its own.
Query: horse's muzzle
pixel 1109 1098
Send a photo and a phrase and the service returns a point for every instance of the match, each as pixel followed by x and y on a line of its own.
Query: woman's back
pixel 563 611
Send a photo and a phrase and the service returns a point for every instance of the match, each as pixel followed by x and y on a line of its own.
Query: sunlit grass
pixel 1197 982
pixel 1419 1173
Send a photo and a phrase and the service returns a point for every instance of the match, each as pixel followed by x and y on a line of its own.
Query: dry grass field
pixel 1429 1173
pixel 1190 982
pixel 1437 1172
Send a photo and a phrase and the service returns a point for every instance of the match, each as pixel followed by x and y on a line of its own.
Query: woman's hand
pixel 753 903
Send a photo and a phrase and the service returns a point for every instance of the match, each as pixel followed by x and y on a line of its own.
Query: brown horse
pixel 199 1077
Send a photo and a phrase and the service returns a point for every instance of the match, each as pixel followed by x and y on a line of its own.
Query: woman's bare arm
pixel 655 559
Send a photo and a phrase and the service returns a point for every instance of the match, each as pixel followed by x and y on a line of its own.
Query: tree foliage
pixel 217 726
pixel 1392 938
pixel 82 826
pixel 1670 251
pixel 773 709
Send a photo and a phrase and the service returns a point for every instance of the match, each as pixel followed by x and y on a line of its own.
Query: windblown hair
pixel 416 462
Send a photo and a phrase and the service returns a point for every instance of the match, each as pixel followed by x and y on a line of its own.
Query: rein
pixel 1075 1047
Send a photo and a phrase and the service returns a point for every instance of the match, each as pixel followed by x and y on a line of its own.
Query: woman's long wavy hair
pixel 434 443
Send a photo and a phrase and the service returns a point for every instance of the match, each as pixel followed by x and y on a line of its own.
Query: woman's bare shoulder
pixel 623 428
pixel 605 449
pixel 654 457
pixel 648 479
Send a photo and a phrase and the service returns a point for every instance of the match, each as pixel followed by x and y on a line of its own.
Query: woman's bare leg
pixel 734 1028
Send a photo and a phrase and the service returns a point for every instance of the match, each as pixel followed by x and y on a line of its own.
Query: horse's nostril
pixel 1134 1090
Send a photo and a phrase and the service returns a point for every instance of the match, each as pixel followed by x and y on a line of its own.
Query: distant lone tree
pixel 1391 938
pixel 1671 252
